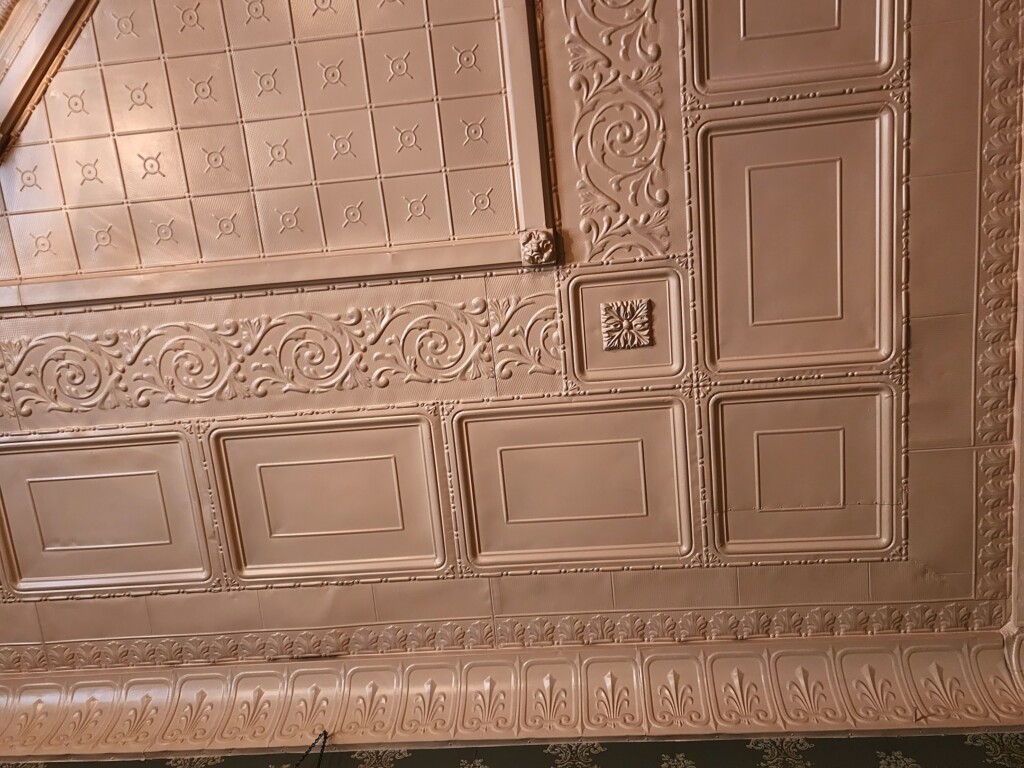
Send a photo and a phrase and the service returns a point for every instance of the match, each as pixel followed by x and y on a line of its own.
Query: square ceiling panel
pixel 401 100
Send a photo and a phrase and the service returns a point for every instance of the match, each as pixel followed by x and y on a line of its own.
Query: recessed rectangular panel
pixel 338 497
pixel 804 470
pixel 296 496
pixel 100 512
pixel 794 240
pixel 780 18
pixel 77 513
pixel 574 482
pixel 799 229
pixel 754 44
pixel 779 451
pixel 620 483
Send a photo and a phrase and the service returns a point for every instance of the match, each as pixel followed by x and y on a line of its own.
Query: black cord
pixel 323 743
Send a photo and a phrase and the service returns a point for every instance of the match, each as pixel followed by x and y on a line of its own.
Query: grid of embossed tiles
pixel 180 131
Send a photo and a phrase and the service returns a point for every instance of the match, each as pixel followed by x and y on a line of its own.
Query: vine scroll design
pixel 619 131
pixel 421 342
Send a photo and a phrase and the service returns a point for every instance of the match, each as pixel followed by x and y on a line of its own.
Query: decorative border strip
pixel 993 561
pixel 609 631
pixel 999 230
pixel 619 133
pixel 956 681
pixel 424 342
pixel 997 303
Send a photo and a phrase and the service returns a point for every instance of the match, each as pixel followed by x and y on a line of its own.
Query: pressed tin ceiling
pixel 447 370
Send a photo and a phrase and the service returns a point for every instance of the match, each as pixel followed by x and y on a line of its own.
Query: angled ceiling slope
pixel 34 38
pixel 457 370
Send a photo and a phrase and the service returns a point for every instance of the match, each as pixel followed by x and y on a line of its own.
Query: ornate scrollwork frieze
pixel 302 352
pixel 619 133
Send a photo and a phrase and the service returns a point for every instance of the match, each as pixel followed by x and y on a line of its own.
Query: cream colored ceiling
pixel 193 133
pixel 304 431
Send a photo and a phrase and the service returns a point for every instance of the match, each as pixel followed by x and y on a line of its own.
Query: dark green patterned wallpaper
pixel 1005 750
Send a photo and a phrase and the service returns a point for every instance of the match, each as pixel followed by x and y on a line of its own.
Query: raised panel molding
pixel 805 471
pixel 101 512
pixel 818 193
pixel 529 495
pixel 742 689
pixel 807 42
pixel 327 498
pixel 627 325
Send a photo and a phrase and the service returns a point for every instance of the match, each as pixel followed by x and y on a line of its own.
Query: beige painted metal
pixel 304 428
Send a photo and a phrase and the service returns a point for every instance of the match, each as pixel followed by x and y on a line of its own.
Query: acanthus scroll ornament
pixel 304 353
pixel 619 134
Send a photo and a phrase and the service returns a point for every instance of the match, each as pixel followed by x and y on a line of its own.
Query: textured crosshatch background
pixel 176 133
pixel 766 396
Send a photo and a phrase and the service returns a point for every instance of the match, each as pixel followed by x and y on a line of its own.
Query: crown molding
pixel 956 681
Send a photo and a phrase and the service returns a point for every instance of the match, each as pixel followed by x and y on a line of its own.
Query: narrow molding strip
pixel 355 644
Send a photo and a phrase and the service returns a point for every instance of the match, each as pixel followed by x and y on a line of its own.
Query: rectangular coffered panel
pixel 621 492
pixel 100 512
pixel 804 470
pixel 807 278
pixel 758 44
pixel 330 498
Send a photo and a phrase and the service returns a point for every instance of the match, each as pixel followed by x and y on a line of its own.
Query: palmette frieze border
pixel 997 301
pixel 993 559
pixel 956 681
pixel 609 631
pixel 1000 190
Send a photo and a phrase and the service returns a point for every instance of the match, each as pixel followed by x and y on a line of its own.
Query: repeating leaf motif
pixel 807 700
pixel 136 723
pixel 369 712
pixel 192 724
pixel 305 353
pixel 743 701
pixel 489 709
pixel 550 706
pixel 429 709
pixel 946 695
pixel 310 711
pixel 612 704
pixel 1001 152
pixel 876 697
pixel 619 132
